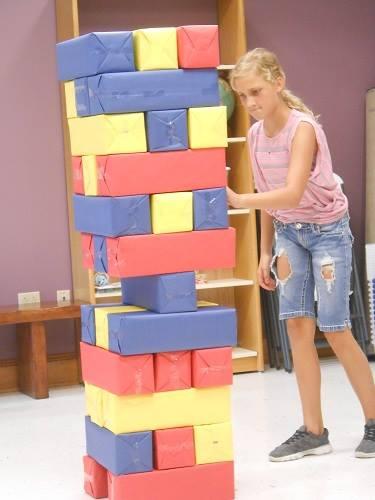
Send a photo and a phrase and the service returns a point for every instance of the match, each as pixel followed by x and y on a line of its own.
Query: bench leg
pixel 32 359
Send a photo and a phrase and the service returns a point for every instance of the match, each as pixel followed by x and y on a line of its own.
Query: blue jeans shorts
pixel 319 271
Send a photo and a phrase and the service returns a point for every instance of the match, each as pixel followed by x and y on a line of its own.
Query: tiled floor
pixel 42 442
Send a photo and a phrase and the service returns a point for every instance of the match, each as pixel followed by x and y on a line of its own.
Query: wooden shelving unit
pixel 237 287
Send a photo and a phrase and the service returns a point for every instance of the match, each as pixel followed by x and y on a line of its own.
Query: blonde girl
pixel 304 209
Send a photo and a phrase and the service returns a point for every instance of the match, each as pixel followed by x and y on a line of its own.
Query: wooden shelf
pixel 102 295
pixel 219 283
pixel 233 140
pixel 224 283
pixel 225 67
pixel 240 352
pixel 238 211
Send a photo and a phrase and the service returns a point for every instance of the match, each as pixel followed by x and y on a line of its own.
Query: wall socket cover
pixel 28 298
pixel 63 295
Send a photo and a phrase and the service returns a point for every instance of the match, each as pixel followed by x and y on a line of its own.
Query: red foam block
pixel 78 186
pixel 161 172
pixel 200 482
pixel 174 448
pixel 115 373
pixel 87 242
pixel 172 371
pixel 144 255
pixel 212 367
pixel 96 479
pixel 198 46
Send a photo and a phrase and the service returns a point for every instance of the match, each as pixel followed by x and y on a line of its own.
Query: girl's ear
pixel 280 83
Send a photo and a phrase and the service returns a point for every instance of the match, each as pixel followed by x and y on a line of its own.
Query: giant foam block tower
pixel 148 138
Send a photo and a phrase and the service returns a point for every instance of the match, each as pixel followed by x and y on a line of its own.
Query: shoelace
pixel 370 432
pixel 297 435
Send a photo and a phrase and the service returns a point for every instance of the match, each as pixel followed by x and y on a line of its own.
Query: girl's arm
pixel 266 240
pixel 304 147
pixel 267 233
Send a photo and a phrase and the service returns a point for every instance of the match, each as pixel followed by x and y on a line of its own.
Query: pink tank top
pixel 323 200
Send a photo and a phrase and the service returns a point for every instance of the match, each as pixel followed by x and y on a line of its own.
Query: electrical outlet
pixel 28 298
pixel 63 295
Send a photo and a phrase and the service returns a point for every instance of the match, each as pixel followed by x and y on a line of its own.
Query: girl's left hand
pixel 234 199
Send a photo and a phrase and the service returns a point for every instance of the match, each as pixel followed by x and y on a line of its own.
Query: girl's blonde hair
pixel 265 64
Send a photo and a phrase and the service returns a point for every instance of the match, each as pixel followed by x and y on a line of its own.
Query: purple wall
pixel 34 228
pixel 328 53
pixel 102 15
pixel 327 49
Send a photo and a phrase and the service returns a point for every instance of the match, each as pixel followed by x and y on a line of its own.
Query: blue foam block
pixel 164 293
pixel 106 216
pixel 95 53
pixel 210 209
pixel 100 254
pixel 167 130
pixel 146 91
pixel 119 453
pixel 149 332
pixel 88 331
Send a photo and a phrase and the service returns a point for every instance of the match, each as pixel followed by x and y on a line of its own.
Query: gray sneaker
pixel 300 444
pixel 366 448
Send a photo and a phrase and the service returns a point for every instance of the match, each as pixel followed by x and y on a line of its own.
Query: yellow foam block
pixel 90 175
pixel 160 410
pixel 94 402
pixel 108 134
pixel 207 127
pixel 70 99
pixel 155 48
pixel 213 443
pixel 101 321
pixel 172 212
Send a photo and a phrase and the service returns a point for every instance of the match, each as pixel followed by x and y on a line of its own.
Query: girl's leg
pixel 301 332
pixel 332 264
pixel 293 271
pixel 357 368
pixel 332 259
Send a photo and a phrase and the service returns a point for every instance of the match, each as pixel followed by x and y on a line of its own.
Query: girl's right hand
pixel 264 278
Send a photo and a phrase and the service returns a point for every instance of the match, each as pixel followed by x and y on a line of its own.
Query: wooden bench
pixel 31 340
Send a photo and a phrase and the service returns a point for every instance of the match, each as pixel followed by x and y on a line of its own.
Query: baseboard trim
pixel 62 371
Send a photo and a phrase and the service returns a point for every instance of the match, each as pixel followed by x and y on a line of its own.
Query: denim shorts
pixel 317 283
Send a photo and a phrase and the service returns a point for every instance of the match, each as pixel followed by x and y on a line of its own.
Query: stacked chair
pixel 370 272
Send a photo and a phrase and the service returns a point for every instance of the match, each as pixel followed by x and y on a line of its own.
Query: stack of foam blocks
pixel 147 138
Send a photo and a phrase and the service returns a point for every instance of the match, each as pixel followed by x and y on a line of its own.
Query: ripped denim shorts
pixel 320 264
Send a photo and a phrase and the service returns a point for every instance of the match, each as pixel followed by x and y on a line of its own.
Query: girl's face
pixel 259 97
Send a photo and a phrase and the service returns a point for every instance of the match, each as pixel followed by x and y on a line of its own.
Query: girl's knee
pixel 294 324
pixel 339 340
pixel 301 329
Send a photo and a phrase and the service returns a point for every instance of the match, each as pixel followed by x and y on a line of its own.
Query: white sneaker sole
pixel 361 454
pixel 321 450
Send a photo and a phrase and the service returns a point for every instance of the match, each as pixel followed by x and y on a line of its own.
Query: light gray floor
pixel 42 442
